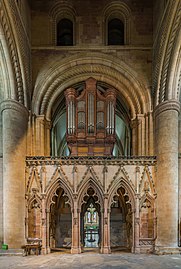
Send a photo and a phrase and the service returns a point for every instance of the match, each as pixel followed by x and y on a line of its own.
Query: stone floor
pixel 91 260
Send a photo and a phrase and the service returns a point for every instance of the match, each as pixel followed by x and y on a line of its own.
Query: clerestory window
pixel 65 33
pixel 115 32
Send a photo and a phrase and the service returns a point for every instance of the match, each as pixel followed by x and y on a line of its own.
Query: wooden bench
pixel 28 247
pixel 32 244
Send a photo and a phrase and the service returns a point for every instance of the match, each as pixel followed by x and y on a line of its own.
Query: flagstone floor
pixel 91 260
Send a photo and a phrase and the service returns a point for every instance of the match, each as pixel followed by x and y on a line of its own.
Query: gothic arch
pixel 112 191
pixel 64 73
pixel 34 198
pixel 90 183
pixel 53 187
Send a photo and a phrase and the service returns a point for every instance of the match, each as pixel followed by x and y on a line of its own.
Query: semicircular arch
pixel 63 74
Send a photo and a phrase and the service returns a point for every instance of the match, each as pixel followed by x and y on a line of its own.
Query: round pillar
pixel 166 147
pixel 14 121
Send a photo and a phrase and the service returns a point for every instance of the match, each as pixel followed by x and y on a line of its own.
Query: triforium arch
pixel 121 206
pixel 58 206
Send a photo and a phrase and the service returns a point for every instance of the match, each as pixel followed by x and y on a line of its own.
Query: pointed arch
pixel 129 188
pixel 35 198
pixel 53 187
pixel 146 172
pixel 89 173
pixel 34 175
pixel 147 197
pixel 90 182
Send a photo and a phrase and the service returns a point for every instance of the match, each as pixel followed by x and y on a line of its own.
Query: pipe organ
pixel 90 120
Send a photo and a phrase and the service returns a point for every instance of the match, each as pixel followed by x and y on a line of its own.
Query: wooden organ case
pixel 90 120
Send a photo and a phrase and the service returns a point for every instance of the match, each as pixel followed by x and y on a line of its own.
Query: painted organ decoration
pixel 90 120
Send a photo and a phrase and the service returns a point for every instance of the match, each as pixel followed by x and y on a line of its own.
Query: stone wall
pixel 90 20
pixel 1 201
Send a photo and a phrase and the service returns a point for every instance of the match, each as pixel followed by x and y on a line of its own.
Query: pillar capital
pixel 14 105
pixel 167 105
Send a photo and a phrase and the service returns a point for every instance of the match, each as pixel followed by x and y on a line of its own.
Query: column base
pixel 136 250
pixel 105 250
pixel 167 250
pixel 48 250
pixel 44 251
pixel 75 250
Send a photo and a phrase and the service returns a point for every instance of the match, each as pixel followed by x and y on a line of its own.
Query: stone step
pixel 11 252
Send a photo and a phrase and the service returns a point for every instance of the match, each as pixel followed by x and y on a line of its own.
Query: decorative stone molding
pixel 16 36
pixel 14 105
pixel 167 105
pixel 163 50
pixel 146 242
pixel 165 75
pixel 78 68
pixel 130 160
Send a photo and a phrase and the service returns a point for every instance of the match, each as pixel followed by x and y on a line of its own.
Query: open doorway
pixel 90 222
pixel 60 223
pixel 121 223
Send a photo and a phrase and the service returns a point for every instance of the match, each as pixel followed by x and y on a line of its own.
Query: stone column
pixel 76 248
pixel 44 223
pixel 48 231
pixel 14 118
pixel 137 213
pixel 105 249
pixel 179 176
pixel 166 148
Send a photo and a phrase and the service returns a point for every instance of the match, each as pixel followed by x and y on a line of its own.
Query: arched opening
pixel 115 32
pixel 121 228
pixel 146 220
pixel 34 220
pixel 122 145
pixel 65 33
pixel 60 229
pixel 90 226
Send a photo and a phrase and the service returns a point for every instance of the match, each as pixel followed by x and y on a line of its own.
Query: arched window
pixel 65 33
pixel 115 32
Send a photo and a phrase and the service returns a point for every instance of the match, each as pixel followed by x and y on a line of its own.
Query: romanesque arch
pixel 74 70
